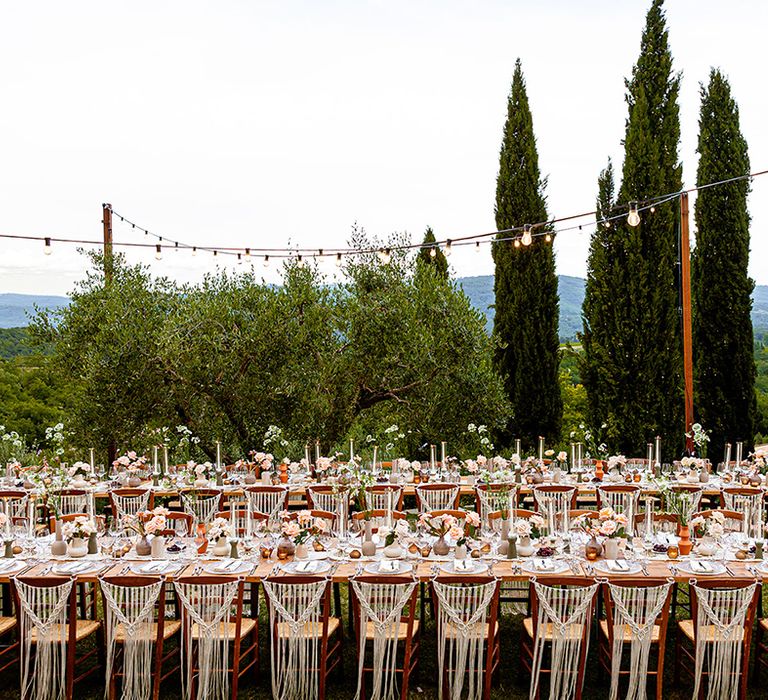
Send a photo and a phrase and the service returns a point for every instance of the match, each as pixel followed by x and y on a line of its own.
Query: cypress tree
pixel 721 288
pixel 633 361
pixel 526 321
pixel 438 262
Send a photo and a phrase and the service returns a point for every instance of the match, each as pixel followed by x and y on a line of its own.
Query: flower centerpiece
pixel 616 463
pixel 199 474
pixel 76 532
pixel 708 531
pixel 441 526
pixel 309 526
pixel 144 523
pixel 700 439
pixel 131 463
pixel 609 525
pixel 218 532
pixel 471 528
pixel 78 473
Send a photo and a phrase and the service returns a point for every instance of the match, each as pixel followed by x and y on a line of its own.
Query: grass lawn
pixel 512 682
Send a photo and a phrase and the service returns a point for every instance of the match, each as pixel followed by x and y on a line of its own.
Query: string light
pixel 300 261
pixel 433 251
pixel 266 261
pixel 247 253
pixel 477 247
pixel 386 257
pixel 448 247
pixel 215 253
pixel 548 237
pixel 194 251
pixel 239 259
pixel 158 252
pixel 517 242
pixel 653 209
pixel 47 249
pixel 633 217
pixel 527 236
pixel 338 259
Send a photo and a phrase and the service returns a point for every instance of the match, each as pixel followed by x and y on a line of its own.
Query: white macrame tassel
pixel 44 609
pixel 635 609
pixel 209 607
pixel 720 637
pixel 296 614
pixel 133 608
pixel 382 605
pixel 564 613
pixel 462 634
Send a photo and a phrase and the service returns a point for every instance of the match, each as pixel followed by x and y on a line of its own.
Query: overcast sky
pixel 269 123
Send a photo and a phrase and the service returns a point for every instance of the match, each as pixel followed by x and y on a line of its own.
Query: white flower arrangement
pixel 82 527
pixel 713 526
pixel 617 462
pixel 220 527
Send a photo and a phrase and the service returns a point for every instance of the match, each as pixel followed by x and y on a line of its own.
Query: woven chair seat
pixel 170 628
pixel 83 629
pixel 709 632
pixel 477 630
pixel 7 624
pixel 628 634
pixel 246 627
pixel 402 630
pixel 284 629
pixel 574 631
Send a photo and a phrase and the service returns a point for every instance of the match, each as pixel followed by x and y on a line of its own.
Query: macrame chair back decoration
pixel 269 501
pixel 298 612
pixel 636 609
pixel 463 630
pixel 69 502
pixel 751 504
pixel 695 493
pixel 129 505
pixel 436 497
pixel 381 606
pixel 386 497
pixel 130 611
pixel 624 499
pixel 15 504
pixel 552 501
pixel 202 506
pixel 206 615
pixel 44 611
pixel 563 616
pixel 721 623
pixel 495 497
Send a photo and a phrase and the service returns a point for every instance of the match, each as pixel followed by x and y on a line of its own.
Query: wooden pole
pixel 685 275
pixel 106 220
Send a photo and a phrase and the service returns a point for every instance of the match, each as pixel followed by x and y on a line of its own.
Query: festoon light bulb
pixel 527 235
pixel 633 218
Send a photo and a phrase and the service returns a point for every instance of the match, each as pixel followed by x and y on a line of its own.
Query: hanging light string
pixel 518 235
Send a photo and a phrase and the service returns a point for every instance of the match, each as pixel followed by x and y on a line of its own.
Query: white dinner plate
pixel 538 565
pixel 763 568
pixel 307 566
pixel 228 567
pixel 11 566
pixel 464 566
pixel 702 568
pixel 155 568
pixel 389 567
pixel 77 568
pixel 618 566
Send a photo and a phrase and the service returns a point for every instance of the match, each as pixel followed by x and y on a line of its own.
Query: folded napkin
pixel 543 564
pixel 306 567
pixel 73 567
pixel 389 566
pixel 155 567
pixel 463 565
pixel 701 567
pixel 227 566
pixel 617 565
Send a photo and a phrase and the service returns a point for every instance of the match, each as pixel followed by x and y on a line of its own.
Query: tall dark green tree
pixel 438 261
pixel 632 364
pixel 721 288
pixel 526 321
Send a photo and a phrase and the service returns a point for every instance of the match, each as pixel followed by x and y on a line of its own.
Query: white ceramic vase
pixel 221 548
pixel 77 547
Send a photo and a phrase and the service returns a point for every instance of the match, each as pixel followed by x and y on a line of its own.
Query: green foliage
pixel 721 288
pixel 425 259
pixel 632 365
pixel 525 322
pixel 16 342
pixel 232 356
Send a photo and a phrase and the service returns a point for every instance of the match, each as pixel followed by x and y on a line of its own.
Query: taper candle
pixel 541 448
pixel 658 449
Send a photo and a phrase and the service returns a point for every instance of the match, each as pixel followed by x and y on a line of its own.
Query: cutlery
pixel 728 569
pixel 644 568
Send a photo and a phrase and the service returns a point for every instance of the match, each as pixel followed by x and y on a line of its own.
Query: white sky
pixel 264 123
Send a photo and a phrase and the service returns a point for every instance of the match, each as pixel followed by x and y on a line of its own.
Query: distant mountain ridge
pixel 16 309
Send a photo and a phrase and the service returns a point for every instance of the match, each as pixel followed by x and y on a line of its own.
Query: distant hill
pixel 16 309
pixel 480 293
